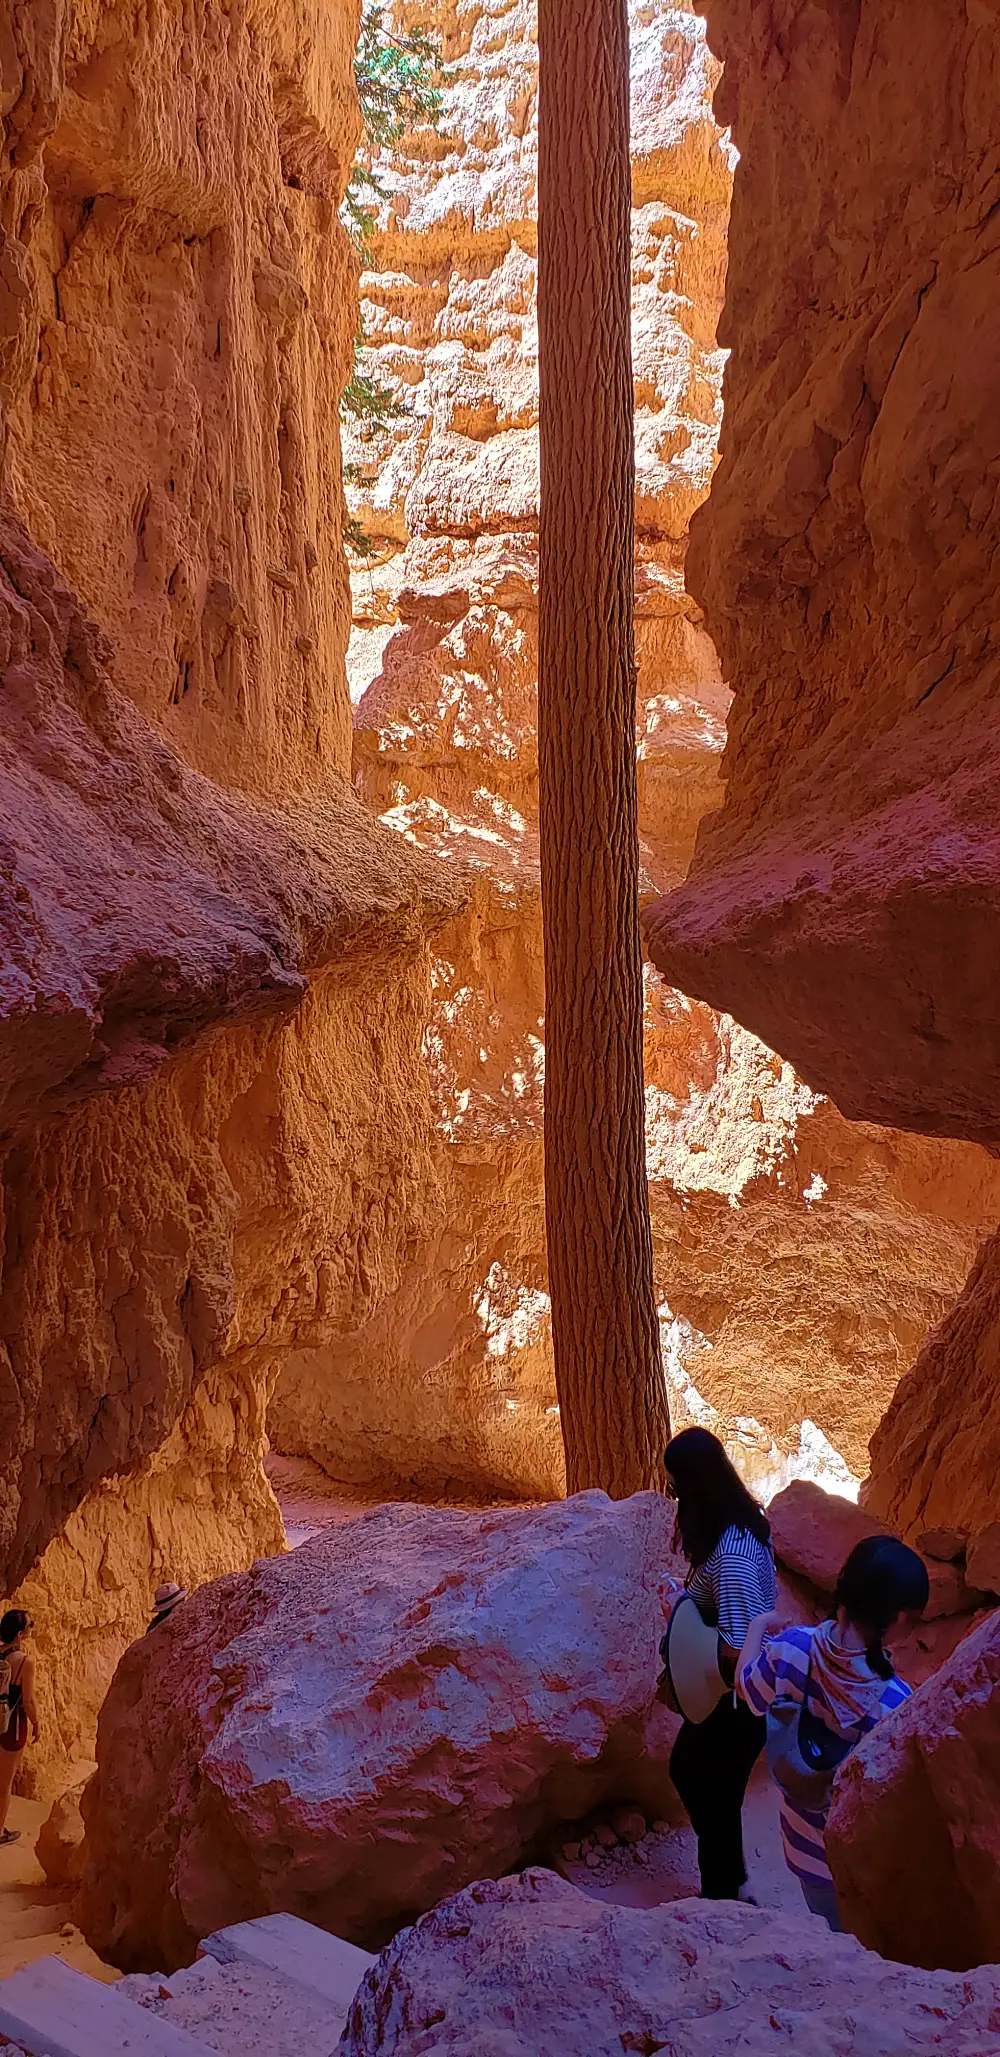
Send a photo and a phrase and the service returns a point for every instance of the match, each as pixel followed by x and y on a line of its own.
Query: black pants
pixel 710 1765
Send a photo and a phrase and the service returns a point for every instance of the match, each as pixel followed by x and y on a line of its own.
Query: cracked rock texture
pixel 913 1835
pixel 800 1258
pixel 214 1120
pixel 843 900
pixel 400 1706
pixel 526 1966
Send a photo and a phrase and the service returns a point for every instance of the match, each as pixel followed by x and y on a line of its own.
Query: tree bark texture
pixel 610 1382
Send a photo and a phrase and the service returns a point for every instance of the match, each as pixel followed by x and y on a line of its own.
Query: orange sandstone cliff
pixel 843 899
pixel 800 1257
pixel 214 961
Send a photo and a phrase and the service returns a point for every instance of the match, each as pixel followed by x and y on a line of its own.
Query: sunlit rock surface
pixel 800 1258
pixel 400 1706
pixel 843 900
pixel 215 967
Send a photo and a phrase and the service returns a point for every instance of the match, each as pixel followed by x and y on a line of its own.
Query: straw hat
pixel 167 1597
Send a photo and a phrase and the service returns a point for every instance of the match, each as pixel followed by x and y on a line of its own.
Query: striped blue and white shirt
pixel 782 1672
pixel 737 1581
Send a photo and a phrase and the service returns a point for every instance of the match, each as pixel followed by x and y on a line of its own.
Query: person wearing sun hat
pixel 165 1599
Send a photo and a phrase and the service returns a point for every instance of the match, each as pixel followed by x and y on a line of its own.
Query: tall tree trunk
pixel 610 1383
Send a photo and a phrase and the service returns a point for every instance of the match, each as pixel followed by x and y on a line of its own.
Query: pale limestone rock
pixel 59 1843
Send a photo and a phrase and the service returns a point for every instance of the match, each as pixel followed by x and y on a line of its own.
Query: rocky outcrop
pixel 936 1454
pixel 59 1843
pixel 216 1132
pixel 222 912
pixel 842 901
pixel 913 1836
pixel 800 1258
pixel 814 1533
pixel 394 1709
pixel 530 1965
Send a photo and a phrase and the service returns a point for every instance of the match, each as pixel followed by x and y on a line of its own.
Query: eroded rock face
pixel 913 1836
pixel 800 1258
pixel 530 1965
pixel 842 902
pixel 394 1709
pixel 59 1844
pixel 216 1127
pixel 174 446
pixel 936 1455
pixel 814 1533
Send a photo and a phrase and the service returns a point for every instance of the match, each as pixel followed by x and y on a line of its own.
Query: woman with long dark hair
pixel 726 1539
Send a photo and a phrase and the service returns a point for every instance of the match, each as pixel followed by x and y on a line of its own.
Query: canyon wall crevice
pixel 800 1257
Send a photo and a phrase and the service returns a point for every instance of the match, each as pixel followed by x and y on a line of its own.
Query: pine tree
pixel 399 86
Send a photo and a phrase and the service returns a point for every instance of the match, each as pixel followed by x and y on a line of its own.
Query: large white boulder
pixel 357 1729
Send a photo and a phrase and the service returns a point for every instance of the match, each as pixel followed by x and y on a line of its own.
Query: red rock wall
pixel 912 1835
pixel 215 969
pixel 843 901
pixel 800 1258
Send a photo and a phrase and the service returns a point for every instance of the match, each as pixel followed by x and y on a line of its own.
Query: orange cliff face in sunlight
pixel 271 1018
pixel 800 1258
pixel 216 962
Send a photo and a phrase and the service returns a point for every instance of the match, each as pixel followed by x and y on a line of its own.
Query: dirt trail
pixel 35 1919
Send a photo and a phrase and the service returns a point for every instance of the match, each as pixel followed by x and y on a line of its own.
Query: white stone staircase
pixel 271 1988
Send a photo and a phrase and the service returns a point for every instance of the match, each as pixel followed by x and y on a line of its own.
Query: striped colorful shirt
pixel 737 1581
pixel 782 1672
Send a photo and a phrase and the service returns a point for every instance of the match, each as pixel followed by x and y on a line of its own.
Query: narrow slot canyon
pixel 275 1317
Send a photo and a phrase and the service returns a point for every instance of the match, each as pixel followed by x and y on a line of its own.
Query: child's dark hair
pixel 882 1579
pixel 12 1625
pixel 711 1496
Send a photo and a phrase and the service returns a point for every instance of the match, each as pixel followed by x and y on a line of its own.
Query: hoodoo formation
pixel 321 813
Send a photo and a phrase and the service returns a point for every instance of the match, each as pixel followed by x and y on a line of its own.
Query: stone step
pixel 308 1956
pixel 50 2010
pixel 277 1985
pixel 243 2007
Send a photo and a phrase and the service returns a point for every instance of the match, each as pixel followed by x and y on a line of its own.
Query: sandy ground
pixel 34 1917
pixel 665 1865
pixel 310 1501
